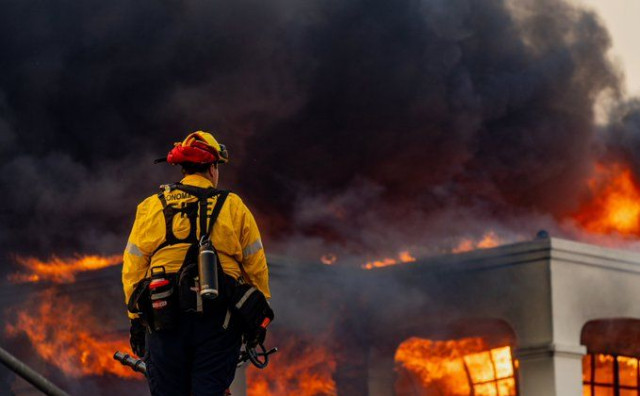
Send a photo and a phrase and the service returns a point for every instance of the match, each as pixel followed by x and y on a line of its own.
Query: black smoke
pixel 354 123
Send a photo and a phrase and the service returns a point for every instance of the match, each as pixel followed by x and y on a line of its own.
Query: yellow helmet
pixel 199 148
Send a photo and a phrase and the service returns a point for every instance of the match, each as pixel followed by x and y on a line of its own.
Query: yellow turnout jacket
pixel 235 236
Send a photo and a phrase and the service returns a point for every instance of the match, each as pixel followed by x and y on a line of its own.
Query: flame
pixel 64 334
pixel 403 257
pixel 615 207
pixel 299 369
pixel 489 239
pixel 329 259
pixel 60 270
pixel 459 367
pixel 605 373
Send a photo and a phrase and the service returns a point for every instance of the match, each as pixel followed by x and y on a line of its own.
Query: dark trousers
pixel 198 358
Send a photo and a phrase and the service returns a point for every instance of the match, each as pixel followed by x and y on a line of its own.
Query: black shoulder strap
pixel 222 196
pixel 202 201
pixel 162 199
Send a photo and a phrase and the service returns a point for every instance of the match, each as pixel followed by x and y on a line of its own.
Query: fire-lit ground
pixel 454 368
pixel 300 368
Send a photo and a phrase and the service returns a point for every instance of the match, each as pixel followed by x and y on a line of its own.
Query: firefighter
pixel 192 349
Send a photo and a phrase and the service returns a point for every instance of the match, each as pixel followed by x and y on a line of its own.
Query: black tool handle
pixel 127 360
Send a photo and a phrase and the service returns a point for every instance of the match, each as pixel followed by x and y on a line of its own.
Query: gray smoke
pixel 623 133
pixel 353 124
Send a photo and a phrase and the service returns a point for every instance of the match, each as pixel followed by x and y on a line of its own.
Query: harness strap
pixel 203 194
pixel 222 196
pixel 203 215
pixel 163 201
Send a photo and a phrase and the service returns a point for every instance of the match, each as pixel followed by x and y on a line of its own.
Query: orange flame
pixel 299 369
pixel 403 257
pixel 64 334
pixel 605 371
pixel 455 368
pixel 60 270
pixel 488 240
pixel 615 207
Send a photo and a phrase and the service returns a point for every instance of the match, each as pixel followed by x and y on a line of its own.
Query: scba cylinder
pixel 208 271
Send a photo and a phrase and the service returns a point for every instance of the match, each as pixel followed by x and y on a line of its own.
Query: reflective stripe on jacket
pixel 235 237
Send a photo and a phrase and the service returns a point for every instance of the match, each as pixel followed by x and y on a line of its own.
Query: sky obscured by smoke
pixel 356 124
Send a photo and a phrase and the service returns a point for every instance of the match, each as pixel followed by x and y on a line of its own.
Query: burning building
pixel 542 297
pixel 543 317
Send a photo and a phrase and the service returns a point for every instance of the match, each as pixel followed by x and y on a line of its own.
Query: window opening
pixel 610 375
pixel 465 367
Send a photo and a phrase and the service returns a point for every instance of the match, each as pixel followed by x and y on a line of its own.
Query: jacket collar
pixel 196 180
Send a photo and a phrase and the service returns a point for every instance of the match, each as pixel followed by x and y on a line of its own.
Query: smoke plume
pixel 354 124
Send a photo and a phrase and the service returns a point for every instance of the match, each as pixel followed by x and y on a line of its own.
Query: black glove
pixel 137 334
pixel 256 334
pixel 255 337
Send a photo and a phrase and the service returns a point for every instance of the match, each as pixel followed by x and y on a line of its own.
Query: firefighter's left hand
pixel 256 337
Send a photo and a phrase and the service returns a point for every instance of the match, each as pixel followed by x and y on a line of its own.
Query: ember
pixel 299 369
pixel 59 270
pixel 328 259
pixel 615 207
pixel 65 334
pixel 457 368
